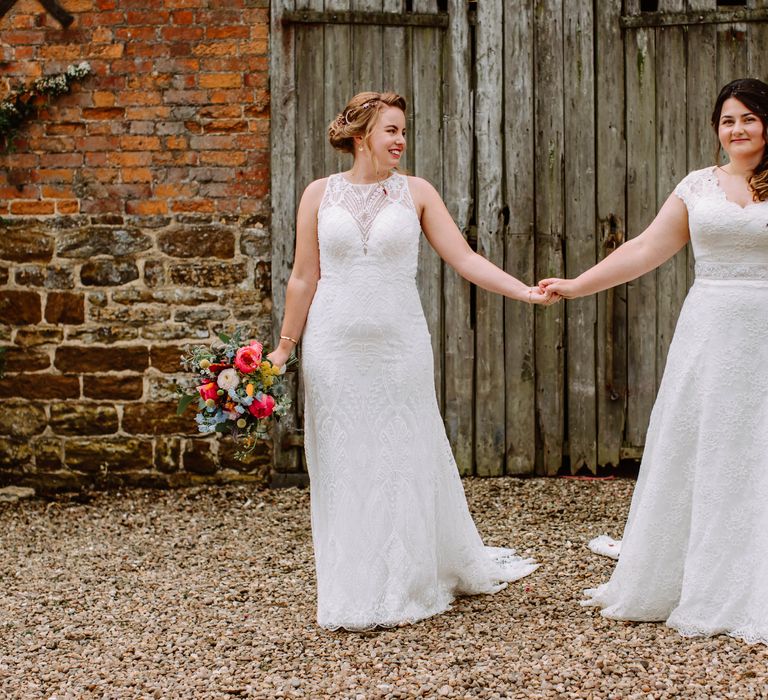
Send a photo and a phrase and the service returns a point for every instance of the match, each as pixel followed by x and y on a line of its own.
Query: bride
pixel 695 551
pixel 394 541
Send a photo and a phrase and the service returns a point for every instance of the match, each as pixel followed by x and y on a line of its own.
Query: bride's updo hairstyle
pixel 754 94
pixel 359 117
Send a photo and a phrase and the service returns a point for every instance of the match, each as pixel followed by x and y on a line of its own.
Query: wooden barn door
pixel 554 129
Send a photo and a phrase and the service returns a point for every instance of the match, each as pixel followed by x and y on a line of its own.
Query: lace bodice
pixel 729 241
pixel 368 225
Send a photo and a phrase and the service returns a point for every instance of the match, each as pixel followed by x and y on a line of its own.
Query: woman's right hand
pixel 279 357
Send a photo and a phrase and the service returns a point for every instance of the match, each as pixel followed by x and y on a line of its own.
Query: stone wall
pixel 133 219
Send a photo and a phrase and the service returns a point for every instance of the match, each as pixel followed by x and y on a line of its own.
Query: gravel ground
pixel 209 593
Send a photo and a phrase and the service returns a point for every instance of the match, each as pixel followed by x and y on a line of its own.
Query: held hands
pixel 542 296
pixel 551 290
pixel 559 288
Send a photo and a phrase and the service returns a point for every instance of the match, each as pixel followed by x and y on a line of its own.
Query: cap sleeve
pixel 689 189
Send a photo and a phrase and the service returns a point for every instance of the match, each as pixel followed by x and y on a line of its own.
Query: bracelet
pixel 530 294
pixel 288 337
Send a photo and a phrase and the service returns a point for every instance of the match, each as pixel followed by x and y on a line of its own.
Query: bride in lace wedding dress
pixel 695 546
pixel 393 537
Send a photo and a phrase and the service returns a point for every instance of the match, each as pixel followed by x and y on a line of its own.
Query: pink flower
pixel 248 358
pixel 262 408
pixel 209 390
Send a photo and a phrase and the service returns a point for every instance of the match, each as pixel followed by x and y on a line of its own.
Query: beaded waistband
pixel 731 271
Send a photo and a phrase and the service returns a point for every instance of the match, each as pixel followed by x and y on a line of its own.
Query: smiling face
pixel 386 141
pixel 740 130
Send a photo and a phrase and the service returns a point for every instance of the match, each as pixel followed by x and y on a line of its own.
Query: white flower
pixel 80 70
pixel 228 379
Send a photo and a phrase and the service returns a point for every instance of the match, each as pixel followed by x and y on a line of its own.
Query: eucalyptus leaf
pixel 184 401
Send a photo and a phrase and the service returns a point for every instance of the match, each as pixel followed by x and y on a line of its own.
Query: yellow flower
pixel 205 364
pixel 276 370
pixel 265 365
pixel 249 390
pixel 267 381
pixel 241 422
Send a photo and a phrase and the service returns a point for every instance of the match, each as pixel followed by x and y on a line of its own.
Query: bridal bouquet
pixel 238 391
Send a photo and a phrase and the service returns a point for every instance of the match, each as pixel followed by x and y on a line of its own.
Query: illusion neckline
pixel 366 184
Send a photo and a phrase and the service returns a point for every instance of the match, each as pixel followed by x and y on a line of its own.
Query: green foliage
pixel 184 402
pixel 23 103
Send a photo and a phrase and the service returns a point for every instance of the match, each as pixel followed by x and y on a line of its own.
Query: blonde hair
pixel 359 117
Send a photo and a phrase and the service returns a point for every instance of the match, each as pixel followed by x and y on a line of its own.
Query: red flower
pixel 248 358
pixel 262 408
pixel 209 390
pixel 217 367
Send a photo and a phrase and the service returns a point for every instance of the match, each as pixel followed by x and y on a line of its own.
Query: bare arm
pixel 444 236
pixel 305 273
pixel 666 235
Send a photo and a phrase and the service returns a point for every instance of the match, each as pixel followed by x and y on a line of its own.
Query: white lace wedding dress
pixel 394 540
pixel 695 546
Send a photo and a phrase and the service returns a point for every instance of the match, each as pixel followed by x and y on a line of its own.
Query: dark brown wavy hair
pixel 754 95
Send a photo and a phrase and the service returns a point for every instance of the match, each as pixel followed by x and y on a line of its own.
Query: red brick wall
pixel 134 218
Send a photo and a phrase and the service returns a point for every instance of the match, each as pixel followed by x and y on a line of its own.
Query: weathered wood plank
pixel 548 168
pixel 489 324
pixel 367 50
pixel 282 195
pixel 458 332
pixel 672 277
pixel 757 40
pixel 426 46
pixel 338 90
pixel 519 358
pixel 641 208
pixel 731 53
pixel 396 62
pixel 580 227
pixel 310 100
pixel 708 15
pixel 611 213
pixel 376 19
